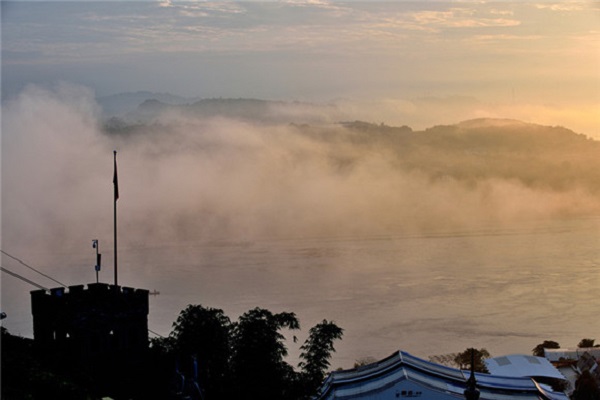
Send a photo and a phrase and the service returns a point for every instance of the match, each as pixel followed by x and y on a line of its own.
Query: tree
pixel 244 359
pixel 259 371
pixel 317 350
pixel 203 334
pixel 585 343
pixel 361 362
pixel 538 350
pixel 463 360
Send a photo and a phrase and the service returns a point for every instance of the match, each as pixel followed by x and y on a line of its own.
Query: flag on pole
pixel 116 179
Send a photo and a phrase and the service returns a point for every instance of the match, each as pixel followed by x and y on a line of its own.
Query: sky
pixel 398 62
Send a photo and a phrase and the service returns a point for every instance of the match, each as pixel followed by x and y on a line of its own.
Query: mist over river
pixel 485 233
pixel 505 289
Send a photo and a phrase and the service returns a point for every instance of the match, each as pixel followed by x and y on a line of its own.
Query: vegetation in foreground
pixel 243 359
pixel 206 356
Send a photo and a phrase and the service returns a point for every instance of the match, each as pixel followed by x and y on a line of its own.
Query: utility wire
pixel 22 278
pixel 157 334
pixel 40 286
pixel 31 268
pixel 41 273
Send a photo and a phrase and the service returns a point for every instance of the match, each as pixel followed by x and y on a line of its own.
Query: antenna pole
pixel 471 392
pixel 116 187
pixel 96 245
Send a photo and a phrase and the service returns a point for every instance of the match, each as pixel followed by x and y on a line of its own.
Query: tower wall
pixel 91 323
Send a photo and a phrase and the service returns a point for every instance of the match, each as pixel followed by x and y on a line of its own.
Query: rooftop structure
pixel 402 375
pixel 556 355
pixel 518 365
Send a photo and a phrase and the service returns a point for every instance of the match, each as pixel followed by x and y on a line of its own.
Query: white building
pixel 556 355
pixel 402 376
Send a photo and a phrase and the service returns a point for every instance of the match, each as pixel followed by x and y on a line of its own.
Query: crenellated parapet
pixel 93 321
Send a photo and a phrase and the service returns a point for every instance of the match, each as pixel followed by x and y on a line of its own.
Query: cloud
pixel 277 50
pixel 459 18
pixel 563 6
pixel 495 11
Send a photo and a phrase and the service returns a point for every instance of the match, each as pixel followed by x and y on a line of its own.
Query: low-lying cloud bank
pixel 247 169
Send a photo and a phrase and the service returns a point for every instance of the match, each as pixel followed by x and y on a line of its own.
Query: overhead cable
pixel 22 278
pixel 157 334
pixel 33 269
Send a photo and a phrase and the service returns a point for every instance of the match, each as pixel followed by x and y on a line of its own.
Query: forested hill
pixel 256 110
pixel 469 152
pixel 538 156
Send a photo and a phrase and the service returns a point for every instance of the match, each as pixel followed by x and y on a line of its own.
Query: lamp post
pixel 471 392
pixel 96 246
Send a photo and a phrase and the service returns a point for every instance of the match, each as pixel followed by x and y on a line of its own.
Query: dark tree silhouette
pixel 463 360
pixel 317 350
pixel 244 359
pixel 204 334
pixel 538 350
pixel 259 371
pixel 584 343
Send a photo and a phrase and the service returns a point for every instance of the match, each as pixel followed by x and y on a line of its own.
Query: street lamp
pixel 471 392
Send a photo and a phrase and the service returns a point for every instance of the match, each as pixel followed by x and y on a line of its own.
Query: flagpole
pixel 116 197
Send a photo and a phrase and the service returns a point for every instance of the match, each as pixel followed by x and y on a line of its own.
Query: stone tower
pixel 91 325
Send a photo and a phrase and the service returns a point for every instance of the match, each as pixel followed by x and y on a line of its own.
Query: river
pixel 506 289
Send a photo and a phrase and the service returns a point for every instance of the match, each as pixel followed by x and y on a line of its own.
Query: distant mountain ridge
pixel 471 151
pixel 145 107
pixel 123 103
pixel 489 122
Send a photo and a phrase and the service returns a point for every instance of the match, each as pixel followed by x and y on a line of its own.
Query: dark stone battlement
pixel 98 321
pixel 97 294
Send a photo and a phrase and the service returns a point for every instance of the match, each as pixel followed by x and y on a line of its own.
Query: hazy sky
pixel 535 61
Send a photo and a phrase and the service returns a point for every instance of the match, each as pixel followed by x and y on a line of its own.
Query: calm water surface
pixel 503 289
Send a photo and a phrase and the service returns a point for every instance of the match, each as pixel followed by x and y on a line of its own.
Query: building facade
pixel 403 376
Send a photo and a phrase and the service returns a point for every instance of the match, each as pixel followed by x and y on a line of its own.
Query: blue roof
pixel 394 375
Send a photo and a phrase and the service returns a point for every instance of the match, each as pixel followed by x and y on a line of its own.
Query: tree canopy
pixel 585 343
pixel 204 333
pixel 463 360
pixel 245 358
pixel 317 350
pixel 538 350
pixel 258 352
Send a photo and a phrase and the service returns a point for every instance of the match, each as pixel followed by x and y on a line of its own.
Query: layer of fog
pixel 390 232
pixel 186 178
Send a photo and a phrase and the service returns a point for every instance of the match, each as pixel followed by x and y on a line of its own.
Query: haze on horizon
pixel 401 63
